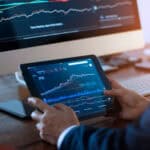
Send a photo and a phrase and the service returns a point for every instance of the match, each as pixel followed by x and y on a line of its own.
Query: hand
pixel 51 121
pixel 133 104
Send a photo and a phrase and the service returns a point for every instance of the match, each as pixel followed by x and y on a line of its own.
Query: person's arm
pixel 63 135
pixel 134 137
pixel 52 121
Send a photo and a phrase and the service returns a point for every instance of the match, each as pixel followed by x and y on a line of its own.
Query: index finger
pixel 114 92
pixel 36 115
pixel 36 102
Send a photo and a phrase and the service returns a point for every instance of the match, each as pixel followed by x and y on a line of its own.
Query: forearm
pixel 134 136
pixel 84 137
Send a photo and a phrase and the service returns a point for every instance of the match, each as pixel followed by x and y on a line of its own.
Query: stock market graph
pixel 76 84
pixel 43 18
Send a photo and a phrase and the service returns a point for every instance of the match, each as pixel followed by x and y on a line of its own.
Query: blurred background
pixel 144 9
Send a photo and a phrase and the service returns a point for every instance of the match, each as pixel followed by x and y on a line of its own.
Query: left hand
pixel 51 121
pixel 132 104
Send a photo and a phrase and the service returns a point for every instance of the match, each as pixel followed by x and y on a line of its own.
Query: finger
pixel 36 115
pixel 38 126
pixel 61 107
pixel 113 92
pixel 36 102
pixel 43 135
pixel 41 127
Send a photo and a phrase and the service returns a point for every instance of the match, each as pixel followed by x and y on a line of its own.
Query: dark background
pixel 76 16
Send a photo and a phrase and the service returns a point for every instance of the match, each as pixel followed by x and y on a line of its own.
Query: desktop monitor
pixel 37 30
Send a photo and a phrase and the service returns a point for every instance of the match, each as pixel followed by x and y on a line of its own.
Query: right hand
pixel 52 120
pixel 132 104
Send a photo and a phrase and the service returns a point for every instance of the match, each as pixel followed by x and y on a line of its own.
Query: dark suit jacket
pixel 135 136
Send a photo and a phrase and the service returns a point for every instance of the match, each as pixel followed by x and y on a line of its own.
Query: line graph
pixel 69 81
pixel 32 2
pixel 8 6
pixel 38 19
pixel 83 104
pixel 98 99
pixel 89 99
pixel 79 86
pixel 44 12
pixel 86 103
pixel 61 98
pixel 61 11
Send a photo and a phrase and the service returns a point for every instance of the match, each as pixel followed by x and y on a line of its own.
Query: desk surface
pixel 22 133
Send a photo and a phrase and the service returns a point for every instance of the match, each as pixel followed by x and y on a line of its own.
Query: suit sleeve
pixel 134 136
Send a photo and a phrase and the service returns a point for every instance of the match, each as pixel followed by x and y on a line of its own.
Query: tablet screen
pixel 75 83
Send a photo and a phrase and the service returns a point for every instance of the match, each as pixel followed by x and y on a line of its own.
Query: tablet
pixel 16 108
pixel 77 82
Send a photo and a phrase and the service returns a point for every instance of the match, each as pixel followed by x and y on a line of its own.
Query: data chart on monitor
pixel 76 84
pixel 35 19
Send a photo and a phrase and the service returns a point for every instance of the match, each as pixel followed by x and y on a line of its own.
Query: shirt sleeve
pixel 135 136
pixel 63 134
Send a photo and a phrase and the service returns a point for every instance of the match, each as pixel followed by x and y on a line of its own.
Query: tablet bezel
pixel 34 91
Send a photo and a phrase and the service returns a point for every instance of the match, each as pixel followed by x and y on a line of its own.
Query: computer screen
pixel 77 82
pixel 80 22
pixel 73 87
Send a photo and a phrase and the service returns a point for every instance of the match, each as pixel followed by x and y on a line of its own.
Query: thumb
pixel 113 92
pixel 38 103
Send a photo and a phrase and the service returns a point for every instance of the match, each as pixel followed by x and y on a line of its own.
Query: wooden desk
pixel 23 134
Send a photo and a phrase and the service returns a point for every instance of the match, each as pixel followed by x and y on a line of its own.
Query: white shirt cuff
pixel 63 134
